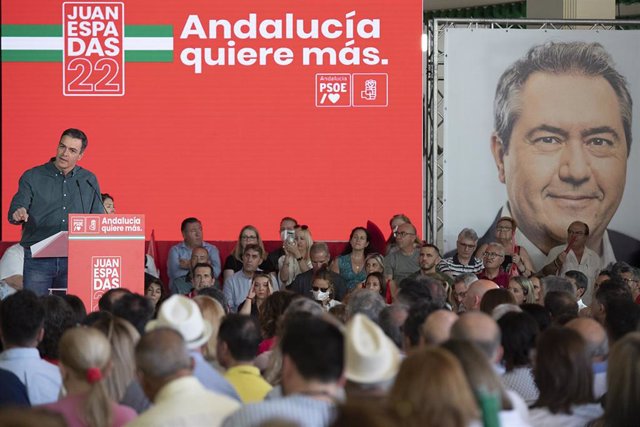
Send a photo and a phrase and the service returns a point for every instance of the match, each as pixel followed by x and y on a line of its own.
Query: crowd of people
pixel 387 333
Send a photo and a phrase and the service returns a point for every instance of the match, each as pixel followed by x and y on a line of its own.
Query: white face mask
pixel 320 295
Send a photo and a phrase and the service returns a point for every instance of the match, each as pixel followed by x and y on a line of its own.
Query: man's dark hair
pixel 273 309
pixel 188 221
pixel 561 305
pixel 579 277
pixel 105 303
pixel 431 245
pixel 242 335
pixel 494 297
pixel 557 283
pixel 76 134
pixel 77 306
pixel 315 346
pixel 390 326
pixel 58 317
pixel 21 317
pixel 539 313
pixel 203 265
pixel 253 247
pixel 418 313
pixel 622 317
pixel 613 289
pixel 217 295
pixel 519 333
pixel 622 267
pixel 411 291
pixel 135 309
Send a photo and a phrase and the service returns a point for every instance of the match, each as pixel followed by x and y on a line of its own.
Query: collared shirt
pixel 210 378
pixel 182 251
pixel 184 402
pixel 12 261
pixel 454 267
pixel 42 379
pixel 590 264
pixel 248 382
pixel 297 408
pixel 49 197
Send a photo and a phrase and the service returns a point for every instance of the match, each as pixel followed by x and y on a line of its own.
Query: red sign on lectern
pixel 105 252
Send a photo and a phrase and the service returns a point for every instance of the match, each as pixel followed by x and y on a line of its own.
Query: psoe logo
pixel 93 52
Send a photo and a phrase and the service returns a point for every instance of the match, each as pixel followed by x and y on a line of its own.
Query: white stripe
pixel 56 43
pixel 32 43
pixel 106 237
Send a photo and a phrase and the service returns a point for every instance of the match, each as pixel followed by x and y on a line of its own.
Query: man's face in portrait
pixel 567 156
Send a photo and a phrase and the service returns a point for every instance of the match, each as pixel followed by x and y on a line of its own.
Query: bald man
pixel 475 293
pixel 483 331
pixel 436 328
pixel 597 346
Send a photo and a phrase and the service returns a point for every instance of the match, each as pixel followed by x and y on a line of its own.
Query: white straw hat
pixel 371 356
pixel 182 314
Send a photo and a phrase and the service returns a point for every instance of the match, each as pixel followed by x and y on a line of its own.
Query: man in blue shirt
pixel 46 195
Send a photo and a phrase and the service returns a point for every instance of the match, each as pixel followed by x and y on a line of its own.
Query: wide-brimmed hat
pixel 370 355
pixel 182 314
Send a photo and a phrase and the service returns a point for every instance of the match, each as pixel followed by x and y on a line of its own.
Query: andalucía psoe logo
pixel 93 43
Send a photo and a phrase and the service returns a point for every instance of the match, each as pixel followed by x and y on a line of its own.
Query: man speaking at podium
pixel 46 195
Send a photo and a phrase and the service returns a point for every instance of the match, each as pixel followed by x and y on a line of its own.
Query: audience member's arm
pixel 174 264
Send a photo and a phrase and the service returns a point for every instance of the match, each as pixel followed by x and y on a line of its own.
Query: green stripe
pixel 11 30
pixel 31 56
pixel 148 31
pixel 148 56
pixel 106 237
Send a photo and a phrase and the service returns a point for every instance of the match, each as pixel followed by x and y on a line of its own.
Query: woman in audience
pixel 564 376
pixel 519 333
pixel 516 258
pixel 375 282
pixel 248 235
pixel 261 288
pixel 486 384
pixel 213 312
pixel 122 384
pixel 84 364
pixel 495 297
pixel 296 258
pixel 107 202
pixel 374 262
pixel 350 264
pixel 155 293
pixel 76 304
pixel 431 389
pixel 522 290
pixel 323 289
pixel 273 309
pixel 58 317
pixel 537 289
pixel 623 384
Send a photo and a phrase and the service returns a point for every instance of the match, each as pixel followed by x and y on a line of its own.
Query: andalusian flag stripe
pixel 44 43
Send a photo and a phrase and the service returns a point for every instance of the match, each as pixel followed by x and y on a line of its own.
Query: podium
pixel 105 252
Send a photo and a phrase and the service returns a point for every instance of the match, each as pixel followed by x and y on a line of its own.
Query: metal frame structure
pixel 433 145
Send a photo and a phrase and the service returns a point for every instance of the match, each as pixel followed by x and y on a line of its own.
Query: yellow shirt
pixel 248 382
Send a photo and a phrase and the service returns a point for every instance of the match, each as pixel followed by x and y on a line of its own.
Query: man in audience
pixel 203 276
pixel 480 329
pixel 366 302
pixel 320 258
pixel 461 285
pixel 475 293
pixel 182 314
pixel 581 283
pixel 391 321
pixel 428 259
pixel 106 301
pixel 312 377
pixel 178 263
pixel 372 360
pixel 492 259
pixel 184 284
pixel 598 348
pixel 287 226
pixel 237 347
pixel 575 255
pixel 412 328
pixel 134 308
pixel 21 324
pixel 165 371
pixel 11 266
pixel 629 275
pixel 237 287
pixel 436 329
pixel 609 290
pixel 463 260
pixel 556 284
pixel 561 305
pixel 403 262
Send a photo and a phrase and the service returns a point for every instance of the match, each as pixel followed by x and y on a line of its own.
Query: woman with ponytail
pixel 85 361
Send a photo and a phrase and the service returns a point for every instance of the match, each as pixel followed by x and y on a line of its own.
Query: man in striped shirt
pixel 463 260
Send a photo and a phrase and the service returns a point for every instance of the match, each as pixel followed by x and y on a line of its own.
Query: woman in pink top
pixel 85 357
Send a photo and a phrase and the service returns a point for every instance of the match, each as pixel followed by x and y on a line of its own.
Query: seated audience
pixel 85 356
pixel 436 328
pixel 106 301
pixel 463 260
pixel 475 293
pixel 517 261
pixel 287 226
pixel 79 310
pixel 564 379
pixel 238 340
pixel 460 287
pixel 154 291
pixel 22 327
pixel 412 328
pixel 629 275
pixel 581 282
pixel 323 290
pixel 374 263
pixel 375 282
pixel 237 287
pixel 249 235
pixel 135 309
pixel 296 258
pixel 365 302
pixel 178 263
pixel 492 259
pixel 350 264
pixel 562 306
pixel 58 317
pixel 522 290
pixel 608 291
pixel 623 316
pixel 495 297
pixel 261 288
pixel 597 348
pixel 184 285
pixel 403 262
pixel 319 255
pixel 165 367
pixel 212 312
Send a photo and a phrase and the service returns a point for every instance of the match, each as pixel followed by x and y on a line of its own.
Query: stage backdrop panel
pixel 475 60
pixel 234 112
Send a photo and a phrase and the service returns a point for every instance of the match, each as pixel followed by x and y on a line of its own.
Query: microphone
pixel 81 201
pixel 95 192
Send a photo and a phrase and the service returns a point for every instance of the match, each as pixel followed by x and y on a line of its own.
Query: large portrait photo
pixel 539 127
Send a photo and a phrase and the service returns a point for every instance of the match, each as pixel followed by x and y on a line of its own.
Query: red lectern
pixel 105 252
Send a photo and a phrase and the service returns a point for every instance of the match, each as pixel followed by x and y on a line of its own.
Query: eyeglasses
pixel 467 246
pixel 577 233
pixel 403 234
pixel 318 288
pixel 630 281
pixel 504 228
pixel 492 255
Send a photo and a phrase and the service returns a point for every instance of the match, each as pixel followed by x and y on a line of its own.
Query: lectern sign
pixel 105 252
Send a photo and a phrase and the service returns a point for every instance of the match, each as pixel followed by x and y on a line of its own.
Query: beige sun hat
pixel 182 314
pixel 370 355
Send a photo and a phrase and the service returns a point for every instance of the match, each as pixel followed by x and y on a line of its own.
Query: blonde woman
pixel 296 258
pixel 261 288
pixel 85 356
pixel 249 235
pixel 213 312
